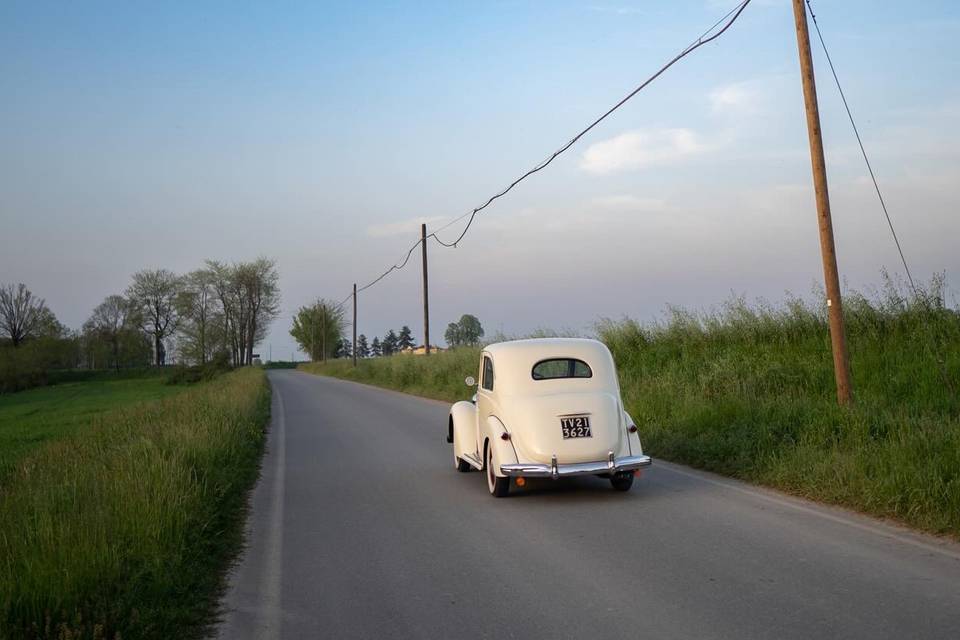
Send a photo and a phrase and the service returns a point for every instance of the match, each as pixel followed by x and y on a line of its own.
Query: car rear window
pixel 561 368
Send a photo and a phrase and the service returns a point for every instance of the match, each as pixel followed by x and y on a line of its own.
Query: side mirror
pixel 470 381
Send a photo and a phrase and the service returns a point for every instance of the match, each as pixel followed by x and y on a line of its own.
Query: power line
pixel 937 356
pixel 395 267
pixel 696 44
pixel 863 151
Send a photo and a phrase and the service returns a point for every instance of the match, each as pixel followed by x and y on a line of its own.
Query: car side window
pixel 487 373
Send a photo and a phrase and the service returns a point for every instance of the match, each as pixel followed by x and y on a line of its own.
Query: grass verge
pixel 749 392
pixel 30 419
pixel 125 529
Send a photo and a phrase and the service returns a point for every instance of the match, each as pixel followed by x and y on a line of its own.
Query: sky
pixel 147 135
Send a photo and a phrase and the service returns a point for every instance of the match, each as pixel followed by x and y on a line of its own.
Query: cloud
pixel 736 98
pixel 628 203
pixel 641 148
pixel 403 227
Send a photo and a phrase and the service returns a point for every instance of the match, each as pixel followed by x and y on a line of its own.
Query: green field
pixel 30 418
pixel 123 502
pixel 749 392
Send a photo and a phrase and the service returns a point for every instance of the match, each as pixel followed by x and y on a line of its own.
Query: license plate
pixel 575 427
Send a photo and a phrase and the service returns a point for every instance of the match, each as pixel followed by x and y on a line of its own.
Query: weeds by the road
pixel 124 530
pixel 749 392
pixel 439 375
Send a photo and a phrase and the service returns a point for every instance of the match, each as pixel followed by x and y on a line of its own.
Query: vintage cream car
pixel 546 408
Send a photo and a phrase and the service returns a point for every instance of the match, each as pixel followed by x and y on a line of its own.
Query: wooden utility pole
pixel 354 324
pixel 323 333
pixel 426 296
pixel 841 363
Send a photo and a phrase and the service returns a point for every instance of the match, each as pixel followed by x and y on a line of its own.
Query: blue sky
pixel 136 135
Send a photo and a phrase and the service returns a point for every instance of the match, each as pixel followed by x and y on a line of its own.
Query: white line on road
pixel 270 609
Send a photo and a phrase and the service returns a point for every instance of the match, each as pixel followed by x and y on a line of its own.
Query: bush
pixel 219 365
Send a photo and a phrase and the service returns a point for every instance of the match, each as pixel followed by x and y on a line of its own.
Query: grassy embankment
pixel 749 392
pixel 122 523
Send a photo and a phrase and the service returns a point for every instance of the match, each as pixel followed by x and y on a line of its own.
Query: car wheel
pixel 498 486
pixel 622 481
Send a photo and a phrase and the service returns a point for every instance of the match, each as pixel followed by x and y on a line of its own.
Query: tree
pixel 309 325
pixel 22 315
pixel 221 278
pixel 363 350
pixel 375 349
pixel 452 335
pixel 112 322
pixel 154 295
pixel 344 349
pixel 389 343
pixel 260 282
pixel 405 340
pixel 249 296
pixel 466 332
pixel 198 310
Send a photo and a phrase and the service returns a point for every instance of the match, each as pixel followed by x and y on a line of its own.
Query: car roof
pixel 584 348
pixel 513 361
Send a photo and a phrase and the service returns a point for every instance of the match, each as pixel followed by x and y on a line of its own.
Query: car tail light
pixel 521 481
pixel 504 436
pixel 632 428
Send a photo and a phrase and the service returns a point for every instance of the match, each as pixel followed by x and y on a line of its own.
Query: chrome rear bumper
pixel 554 470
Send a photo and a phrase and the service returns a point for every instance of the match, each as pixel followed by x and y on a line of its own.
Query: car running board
pixel 473 460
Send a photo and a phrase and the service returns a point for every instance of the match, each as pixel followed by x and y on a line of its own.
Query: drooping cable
pixel 696 44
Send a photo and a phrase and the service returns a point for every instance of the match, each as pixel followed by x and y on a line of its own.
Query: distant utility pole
pixel 354 324
pixel 426 296
pixel 323 333
pixel 841 363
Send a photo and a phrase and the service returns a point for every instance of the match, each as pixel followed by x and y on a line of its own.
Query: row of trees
pixel 217 309
pixel 320 330
pixel 391 343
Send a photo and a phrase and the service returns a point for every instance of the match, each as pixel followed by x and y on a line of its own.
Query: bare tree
pixel 21 314
pixel 154 295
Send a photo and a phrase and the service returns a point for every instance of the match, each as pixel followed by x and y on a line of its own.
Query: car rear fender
pixel 633 439
pixel 503 450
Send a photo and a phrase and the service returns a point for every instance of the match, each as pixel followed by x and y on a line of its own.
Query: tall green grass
pixel 30 419
pixel 125 530
pixel 439 375
pixel 748 390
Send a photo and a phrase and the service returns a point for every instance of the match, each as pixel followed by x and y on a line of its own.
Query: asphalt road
pixel 361 528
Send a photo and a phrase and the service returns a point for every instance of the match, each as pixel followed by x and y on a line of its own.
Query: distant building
pixel 420 350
